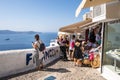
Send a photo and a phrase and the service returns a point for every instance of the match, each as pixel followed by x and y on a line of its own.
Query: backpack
pixel 42 47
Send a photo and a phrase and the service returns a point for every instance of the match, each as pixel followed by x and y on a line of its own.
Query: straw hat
pixel 96 62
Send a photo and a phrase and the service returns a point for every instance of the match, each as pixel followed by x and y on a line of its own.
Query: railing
pixel 53 42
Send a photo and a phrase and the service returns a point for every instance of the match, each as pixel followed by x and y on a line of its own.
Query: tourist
pixel 71 46
pixel 67 46
pixel 59 40
pixel 63 48
pixel 78 54
pixel 36 45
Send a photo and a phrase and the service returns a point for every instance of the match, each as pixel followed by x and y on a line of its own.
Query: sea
pixel 23 40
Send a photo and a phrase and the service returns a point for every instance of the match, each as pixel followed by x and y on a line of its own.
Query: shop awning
pixel 90 3
pixel 96 24
pixel 74 27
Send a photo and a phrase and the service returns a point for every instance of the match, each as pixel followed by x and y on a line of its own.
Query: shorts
pixel 71 51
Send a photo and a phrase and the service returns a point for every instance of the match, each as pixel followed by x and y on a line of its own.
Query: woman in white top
pixel 36 59
pixel 71 47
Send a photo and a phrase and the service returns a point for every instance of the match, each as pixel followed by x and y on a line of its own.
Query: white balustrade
pixel 16 61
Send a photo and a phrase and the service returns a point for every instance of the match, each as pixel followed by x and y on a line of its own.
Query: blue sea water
pixel 23 40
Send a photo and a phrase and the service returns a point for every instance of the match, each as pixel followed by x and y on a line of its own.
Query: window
pixel 98 10
pixel 111 56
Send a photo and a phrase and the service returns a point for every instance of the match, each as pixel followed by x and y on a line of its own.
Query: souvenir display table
pixel 115 54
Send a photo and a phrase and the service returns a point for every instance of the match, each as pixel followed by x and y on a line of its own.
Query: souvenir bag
pixel 96 62
pixel 91 56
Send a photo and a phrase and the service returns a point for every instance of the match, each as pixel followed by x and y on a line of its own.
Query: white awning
pixel 90 3
pixel 74 27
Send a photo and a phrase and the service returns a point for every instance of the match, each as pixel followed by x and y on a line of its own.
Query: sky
pixel 38 15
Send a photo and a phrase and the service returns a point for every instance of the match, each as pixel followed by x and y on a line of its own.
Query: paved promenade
pixel 60 70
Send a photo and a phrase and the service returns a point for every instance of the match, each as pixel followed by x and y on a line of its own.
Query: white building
pixel 105 14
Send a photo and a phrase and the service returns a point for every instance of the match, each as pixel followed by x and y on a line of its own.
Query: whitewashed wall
pixel 16 61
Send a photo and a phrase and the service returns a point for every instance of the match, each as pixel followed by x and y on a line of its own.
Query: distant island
pixel 15 32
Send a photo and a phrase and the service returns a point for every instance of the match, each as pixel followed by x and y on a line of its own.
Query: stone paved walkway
pixel 61 70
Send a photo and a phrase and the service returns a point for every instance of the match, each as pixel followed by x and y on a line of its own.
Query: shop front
pixel 111 50
pixel 110 47
pixel 107 52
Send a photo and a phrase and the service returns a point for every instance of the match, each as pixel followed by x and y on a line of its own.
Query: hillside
pixel 15 32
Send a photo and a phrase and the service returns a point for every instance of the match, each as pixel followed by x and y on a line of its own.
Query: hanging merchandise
pixel 92 36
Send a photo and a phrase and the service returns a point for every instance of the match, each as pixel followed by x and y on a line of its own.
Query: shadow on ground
pixel 19 74
pixel 60 70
